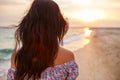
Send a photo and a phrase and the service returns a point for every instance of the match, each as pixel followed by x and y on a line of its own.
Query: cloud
pixel 14 2
pixel 88 3
pixel 115 1
pixel 9 2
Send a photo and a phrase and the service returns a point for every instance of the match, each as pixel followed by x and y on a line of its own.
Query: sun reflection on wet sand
pixel 85 42
pixel 87 32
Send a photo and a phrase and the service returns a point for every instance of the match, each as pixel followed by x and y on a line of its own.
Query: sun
pixel 88 15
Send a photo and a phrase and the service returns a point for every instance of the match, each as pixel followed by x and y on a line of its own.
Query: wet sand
pixel 100 59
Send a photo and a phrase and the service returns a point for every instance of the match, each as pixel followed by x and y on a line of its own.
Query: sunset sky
pixel 92 13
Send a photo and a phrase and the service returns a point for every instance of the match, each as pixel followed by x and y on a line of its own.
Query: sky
pixel 80 13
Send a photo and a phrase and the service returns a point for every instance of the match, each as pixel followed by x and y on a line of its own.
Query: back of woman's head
pixel 39 33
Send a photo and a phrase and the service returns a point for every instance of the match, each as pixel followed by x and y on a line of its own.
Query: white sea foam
pixel 73 38
pixel 7 57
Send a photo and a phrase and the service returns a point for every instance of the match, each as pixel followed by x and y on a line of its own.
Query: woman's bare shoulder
pixel 67 54
pixel 64 55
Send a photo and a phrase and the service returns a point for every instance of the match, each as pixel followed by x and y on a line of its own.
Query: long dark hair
pixel 38 35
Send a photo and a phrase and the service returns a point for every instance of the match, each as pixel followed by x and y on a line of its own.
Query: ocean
pixel 7 44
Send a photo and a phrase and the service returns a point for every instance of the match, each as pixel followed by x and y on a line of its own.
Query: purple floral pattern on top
pixel 66 71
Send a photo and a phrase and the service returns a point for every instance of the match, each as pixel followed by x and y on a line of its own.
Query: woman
pixel 38 55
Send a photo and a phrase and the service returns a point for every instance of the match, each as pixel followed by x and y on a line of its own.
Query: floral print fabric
pixel 66 71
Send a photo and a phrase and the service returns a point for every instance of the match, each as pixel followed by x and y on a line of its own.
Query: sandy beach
pixel 100 59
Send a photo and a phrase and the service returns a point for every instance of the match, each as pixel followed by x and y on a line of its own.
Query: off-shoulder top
pixel 66 71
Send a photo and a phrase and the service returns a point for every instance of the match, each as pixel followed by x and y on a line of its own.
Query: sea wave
pixel 5 54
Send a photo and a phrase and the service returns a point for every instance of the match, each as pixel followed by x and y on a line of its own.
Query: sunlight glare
pixel 87 32
pixel 88 15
